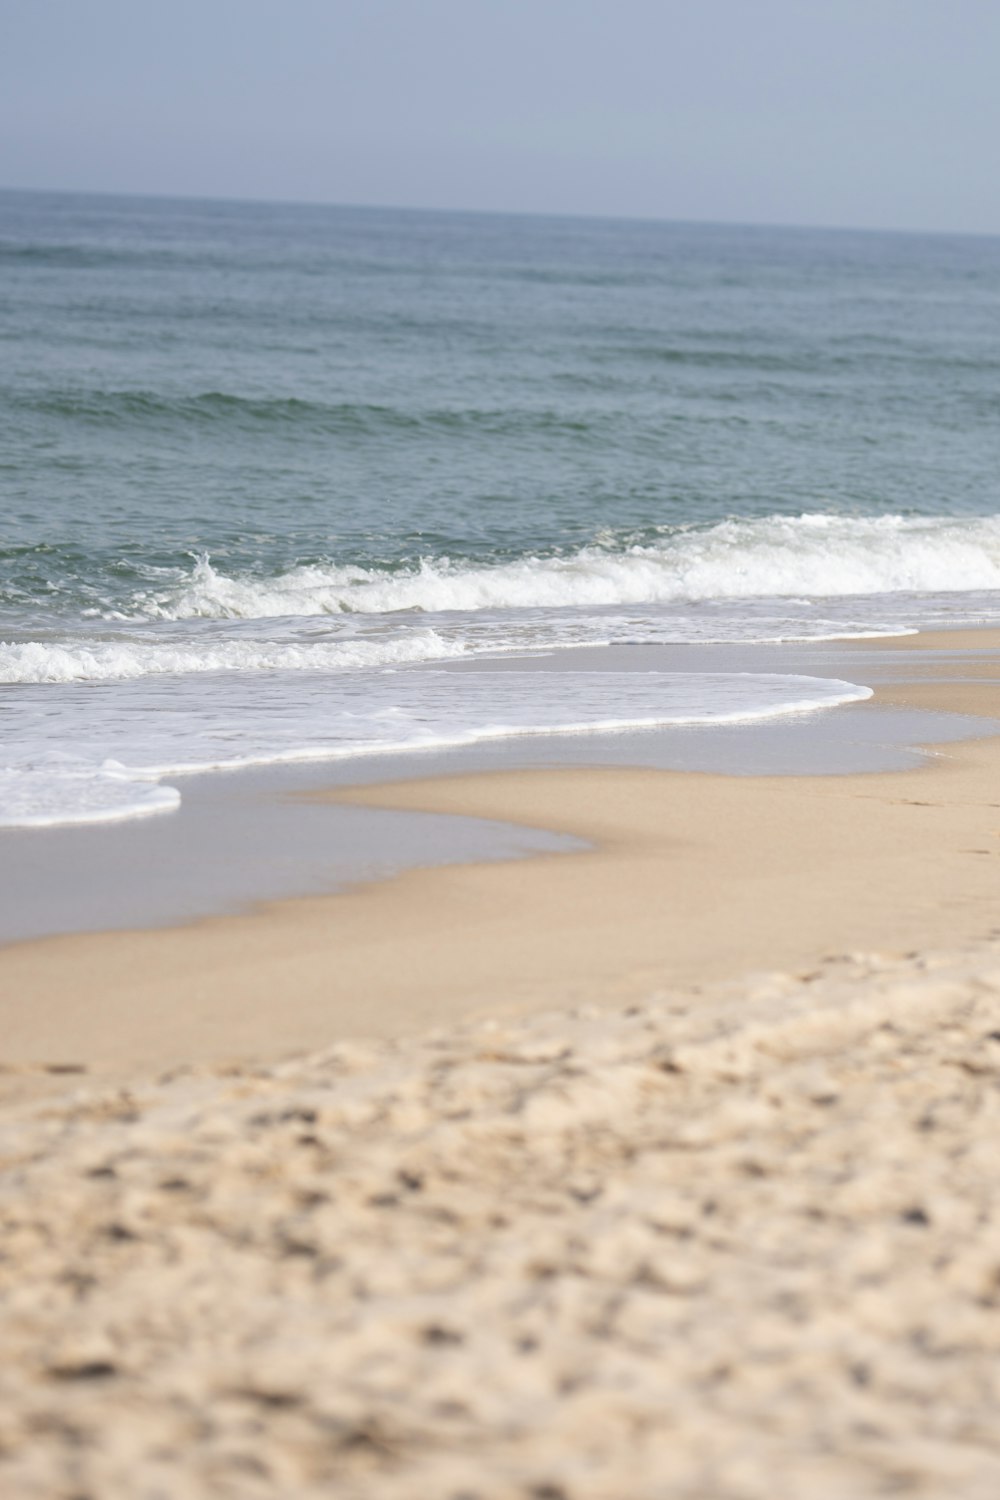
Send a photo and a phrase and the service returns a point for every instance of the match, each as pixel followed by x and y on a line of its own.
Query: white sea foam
pixel 40 796
pixel 326 662
pixel 779 556
pixel 130 743
pixel 122 659
pixel 363 643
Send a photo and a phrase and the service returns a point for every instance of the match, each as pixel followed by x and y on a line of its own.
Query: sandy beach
pixel 683 878
pixel 664 1168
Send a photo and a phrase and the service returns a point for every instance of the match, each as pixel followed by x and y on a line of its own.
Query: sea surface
pixel 274 480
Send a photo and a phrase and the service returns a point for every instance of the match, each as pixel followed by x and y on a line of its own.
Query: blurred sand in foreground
pixel 740 1244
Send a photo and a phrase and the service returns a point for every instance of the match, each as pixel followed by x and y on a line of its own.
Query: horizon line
pixel 495 213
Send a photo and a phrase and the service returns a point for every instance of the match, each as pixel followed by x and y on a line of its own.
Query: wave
pixel 816 556
pixel 117 661
pixel 45 797
pixel 71 257
pixel 100 255
pixel 222 409
pixel 119 770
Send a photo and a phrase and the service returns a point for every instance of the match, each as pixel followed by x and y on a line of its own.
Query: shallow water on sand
pixel 253 835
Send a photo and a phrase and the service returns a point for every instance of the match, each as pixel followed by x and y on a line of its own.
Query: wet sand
pixel 248 836
pixel 683 878
pixel 689 1191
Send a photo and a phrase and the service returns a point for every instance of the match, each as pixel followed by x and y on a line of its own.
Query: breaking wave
pixel 780 556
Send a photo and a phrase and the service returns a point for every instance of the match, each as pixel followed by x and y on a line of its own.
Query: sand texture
pixel 623 1227
pixel 688 878
pixel 735 1245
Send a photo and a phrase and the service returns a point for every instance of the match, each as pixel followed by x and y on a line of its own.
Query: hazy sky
pixel 852 112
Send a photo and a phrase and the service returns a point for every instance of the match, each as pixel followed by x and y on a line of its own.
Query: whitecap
pixel 815 556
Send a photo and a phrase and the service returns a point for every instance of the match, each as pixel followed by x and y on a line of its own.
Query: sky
pixel 860 113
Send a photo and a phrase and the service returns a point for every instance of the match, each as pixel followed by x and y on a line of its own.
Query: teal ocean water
pixel 274 479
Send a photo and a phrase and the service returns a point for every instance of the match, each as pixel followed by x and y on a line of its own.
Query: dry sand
pixel 706 1236
pixel 743 1245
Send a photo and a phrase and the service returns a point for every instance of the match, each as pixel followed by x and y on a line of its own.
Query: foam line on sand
pixel 689 878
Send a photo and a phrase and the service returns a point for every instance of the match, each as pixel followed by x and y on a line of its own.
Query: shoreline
pixel 690 878
pixel 600 1213
pixel 245 836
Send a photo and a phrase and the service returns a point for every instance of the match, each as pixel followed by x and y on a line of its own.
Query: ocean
pixel 277 479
